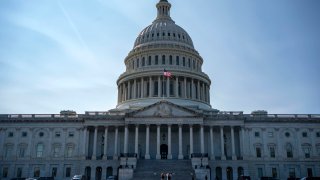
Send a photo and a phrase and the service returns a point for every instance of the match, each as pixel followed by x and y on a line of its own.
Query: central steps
pixel 152 169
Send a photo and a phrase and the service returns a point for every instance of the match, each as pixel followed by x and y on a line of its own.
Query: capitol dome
pixel 163 46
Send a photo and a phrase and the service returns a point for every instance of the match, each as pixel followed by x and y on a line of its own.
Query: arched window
pixel 39 149
pixel 170 60
pixel 163 59
pixel 143 62
pixel 177 61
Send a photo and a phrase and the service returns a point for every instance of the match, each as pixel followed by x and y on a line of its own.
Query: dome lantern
pixel 163 8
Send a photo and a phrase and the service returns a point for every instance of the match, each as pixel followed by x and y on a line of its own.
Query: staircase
pixel 152 169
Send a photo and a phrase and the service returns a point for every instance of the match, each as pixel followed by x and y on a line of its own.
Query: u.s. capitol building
pixel 163 123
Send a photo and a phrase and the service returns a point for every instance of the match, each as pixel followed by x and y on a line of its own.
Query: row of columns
pixel 158 156
pixel 140 88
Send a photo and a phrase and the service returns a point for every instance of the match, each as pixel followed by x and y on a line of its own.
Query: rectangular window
pixel 24 134
pixel 258 152
pixel 194 64
pixel 10 134
pixel 69 151
pixel 143 62
pixel 56 151
pixel 318 134
pixel 57 134
pixel 149 61
pixel 170 60
pixel 274 173
pixel 256 134
pixel 68 172
pixel 156 60
pixel 36 172
pixel 19 172
pixel 304 134
pixel 163 59
pixel 189 63
pixel 5 172
pixel 260 172
pixel 71 134
pixel 292 173
pixel 138 63
pixel 54 172
pixel 184 62
pixel 22 151
pixel 177 61
pixel 272 152
pixel 306 152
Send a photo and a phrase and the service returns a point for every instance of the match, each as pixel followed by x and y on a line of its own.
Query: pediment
pixel 164 109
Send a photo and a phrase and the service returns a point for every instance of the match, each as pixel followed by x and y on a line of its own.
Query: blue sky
pixel 67 54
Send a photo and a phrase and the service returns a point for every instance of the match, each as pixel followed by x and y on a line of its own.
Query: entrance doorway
pixel 98 173
pixel 164 151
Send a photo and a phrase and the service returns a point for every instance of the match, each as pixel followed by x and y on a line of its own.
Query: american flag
pixel 166 73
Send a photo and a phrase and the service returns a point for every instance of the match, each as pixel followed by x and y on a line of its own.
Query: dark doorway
pixel 109 172
pixel 164 151
pixel 87 172
pixel 98 173
pixel 229 173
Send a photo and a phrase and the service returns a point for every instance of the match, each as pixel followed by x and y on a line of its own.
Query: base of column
pixel 93 157
pixel 115 157
pixel 180 156
pixel 223 158
pixel 234 157
pixel 147 156
pixel 105 157
pixel 158 156
pixel 169 156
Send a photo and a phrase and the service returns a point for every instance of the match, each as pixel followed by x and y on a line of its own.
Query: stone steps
pixel 152 169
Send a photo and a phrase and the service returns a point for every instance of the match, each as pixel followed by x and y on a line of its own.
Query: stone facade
pixel 160 118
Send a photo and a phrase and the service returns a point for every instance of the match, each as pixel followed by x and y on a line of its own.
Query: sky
pixel 67 54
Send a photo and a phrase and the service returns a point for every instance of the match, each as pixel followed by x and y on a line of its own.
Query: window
pixel 258 152
pixel 36 172
pixel 71 134
pixel 56 151
pixel 306 150
pixel 170 60
pixel 19 172
pixel 5 172
pixel 310 173
pixel 292 173
pixel 149 61
pixel 274 172
pixel 8 151
pixel 304 134
pixel 163 59
pixel 163 34
pixel 143 62
pixel 174 34
pixel 183 61
pixel 177 61
pixel 22 151
pixel 270 134
pixel 158 34
pixel 138 63
pixel 194 64
pixel 189 63
pixel 260 172
pixel 272 152
pixel 39 150
pixel 41 134
pixel 318 134
pixel 10 134
pixel 69 151
pixel 256 134
pixel 68 171
pixel 24 134
pixel 169 34
pixel 54 172
pixel 289 151
pixel 287 134
pixel 57 134
pixel 156 60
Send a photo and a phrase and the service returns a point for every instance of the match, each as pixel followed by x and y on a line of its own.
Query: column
pixel 180 156
pixel 177 86
pixel 191 140
pixel 211 144
pixel 125 147
pixel 185 87
pixel 105 147
pixel 147 156
pixel 142 87
pixel 150 87
pixel 94 153
pixel 116 132
pixel 169 142
pixel 119 93
pixel 136 142
pixel 198 92
pixel 87 142
pixel 2 135
pixel 202 92
pixel 242 153
pixel 193 94
pixel 168 87
pixel 208 94
pixel 159 87
pixel 234 157
pixel 134 89
pixel 158 142
pixel 84 145
pixel 129 90
pixel 202 139
pixel 223 156
pixel 122 92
